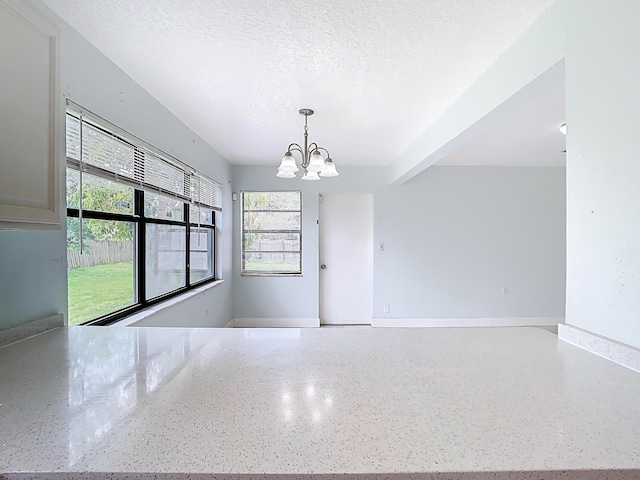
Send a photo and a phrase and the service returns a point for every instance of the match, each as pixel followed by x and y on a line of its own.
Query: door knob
pixel 323 266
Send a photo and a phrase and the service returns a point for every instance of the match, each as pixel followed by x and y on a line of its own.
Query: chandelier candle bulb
pixel 310 175
pixel 283 174
pixel 314 164
pixel 329 169
pixel 288 163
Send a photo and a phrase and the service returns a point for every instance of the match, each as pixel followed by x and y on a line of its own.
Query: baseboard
pixel 229 324
pixel 617 352
pixel 275 322
pixel 346 322
pixel 26 330
pixel 466 322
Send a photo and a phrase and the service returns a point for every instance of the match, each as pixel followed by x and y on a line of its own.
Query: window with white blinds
pixel 141 225
pixel 99 148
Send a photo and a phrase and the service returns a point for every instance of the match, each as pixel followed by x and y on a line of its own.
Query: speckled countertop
pixel 231 404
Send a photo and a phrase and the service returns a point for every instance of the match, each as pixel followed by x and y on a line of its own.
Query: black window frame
pixel 140 222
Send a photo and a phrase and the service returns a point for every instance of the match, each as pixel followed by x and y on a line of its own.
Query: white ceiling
pixel 528 137
pixel 377 72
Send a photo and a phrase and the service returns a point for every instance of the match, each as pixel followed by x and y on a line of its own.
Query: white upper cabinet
pixel 30 126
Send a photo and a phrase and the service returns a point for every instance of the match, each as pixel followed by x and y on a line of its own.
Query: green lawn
pixel 97 290
pixel 278 267
pixel 101 289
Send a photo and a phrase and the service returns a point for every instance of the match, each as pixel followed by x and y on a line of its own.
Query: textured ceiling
pixel 377 72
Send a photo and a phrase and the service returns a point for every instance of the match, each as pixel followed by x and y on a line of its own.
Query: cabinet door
pixel 29 119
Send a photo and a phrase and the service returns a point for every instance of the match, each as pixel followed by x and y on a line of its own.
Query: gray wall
pixel 454 237
pixel 480 229
pixel 597 41
pixel 33 264
pixel 33 275
pixel 291 297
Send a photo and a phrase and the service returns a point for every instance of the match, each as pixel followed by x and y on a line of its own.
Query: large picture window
pixel 140 225
pixel 271 233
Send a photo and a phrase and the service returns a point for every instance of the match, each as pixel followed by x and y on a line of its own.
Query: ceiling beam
pixel 533 63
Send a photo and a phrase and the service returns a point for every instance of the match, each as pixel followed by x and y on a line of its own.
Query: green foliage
pixel 102 196
pixel 254 219
pixel 161 206
pixel 73 234
pixel 271 200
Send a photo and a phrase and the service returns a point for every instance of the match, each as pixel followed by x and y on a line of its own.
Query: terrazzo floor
pixel 143 403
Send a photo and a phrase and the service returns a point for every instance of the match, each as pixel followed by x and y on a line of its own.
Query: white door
pixel 346 258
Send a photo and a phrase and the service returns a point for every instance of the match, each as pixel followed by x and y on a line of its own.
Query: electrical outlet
pixel 387 309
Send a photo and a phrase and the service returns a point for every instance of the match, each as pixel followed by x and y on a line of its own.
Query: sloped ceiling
pixel 377 72
pixel 528 137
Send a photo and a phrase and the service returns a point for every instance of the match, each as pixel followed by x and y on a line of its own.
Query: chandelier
pixel 313 164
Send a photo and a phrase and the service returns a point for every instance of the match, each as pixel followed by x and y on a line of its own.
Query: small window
pixel 271 233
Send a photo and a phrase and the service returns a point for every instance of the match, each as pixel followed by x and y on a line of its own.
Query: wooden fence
pixel 100 252
pixel 270 247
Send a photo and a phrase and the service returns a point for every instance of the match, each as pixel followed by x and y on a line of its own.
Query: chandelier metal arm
pixel 324 150
pixel 298 147
pixel 294 147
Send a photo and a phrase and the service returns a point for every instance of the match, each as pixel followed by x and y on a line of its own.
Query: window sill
pixel 147 312
pixel 271 275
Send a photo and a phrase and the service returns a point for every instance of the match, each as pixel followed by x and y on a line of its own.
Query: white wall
pixel 603 169
pixel 538 50
pixel 456 236
pixel 35 271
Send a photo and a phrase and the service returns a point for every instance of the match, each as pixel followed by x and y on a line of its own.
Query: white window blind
pixel 109 152
pixel 205 191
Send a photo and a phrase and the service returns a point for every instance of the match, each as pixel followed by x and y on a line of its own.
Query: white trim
pixel 466 322
pixel 26 330
pixel 617 352
pixel 276 322
pixel 131 320
pixel 323 323
pixel 229 324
